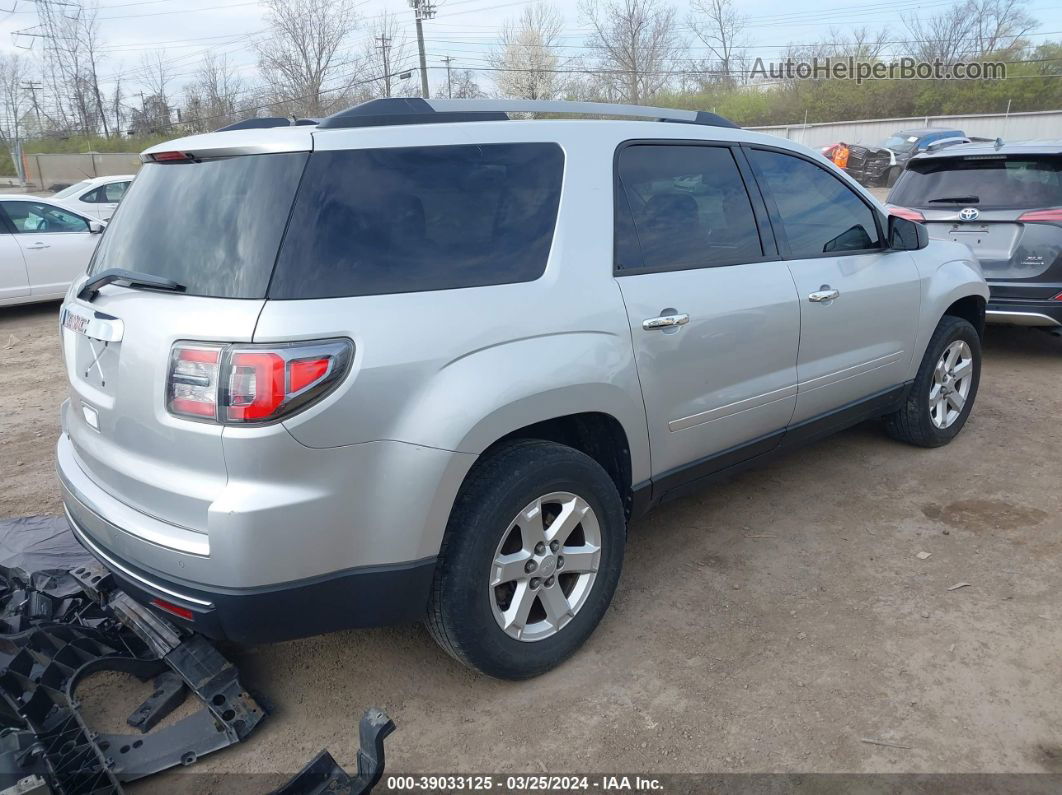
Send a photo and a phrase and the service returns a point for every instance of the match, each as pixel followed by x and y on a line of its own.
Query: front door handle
pixel 665 321
pixel 824 293
pixel 38 246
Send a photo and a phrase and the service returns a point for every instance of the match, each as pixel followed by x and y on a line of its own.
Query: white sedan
pixel 43 247
pixel 97 197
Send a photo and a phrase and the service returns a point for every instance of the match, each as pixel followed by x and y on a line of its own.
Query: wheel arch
pixel 597 434
pixel 972 309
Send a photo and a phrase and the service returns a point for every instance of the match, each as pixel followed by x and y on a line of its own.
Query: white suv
pixel 422 361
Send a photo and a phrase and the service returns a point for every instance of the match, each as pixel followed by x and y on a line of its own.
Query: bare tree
pixel 721 27
pixel 13 102
pixel 155 75
pixel 309 46
pixel 388 51
pixel 1000 25
pixel 526 61
pixel 212 96
pixel 969 29
pixel 637 45
pixel 465 85
pixel 70 57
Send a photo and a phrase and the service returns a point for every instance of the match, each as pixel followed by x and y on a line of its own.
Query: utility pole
pixel 449 83
pixel 33 88
pixel 384 46
pixel 422 9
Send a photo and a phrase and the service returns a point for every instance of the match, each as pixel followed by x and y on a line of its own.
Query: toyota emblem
pixel 968 214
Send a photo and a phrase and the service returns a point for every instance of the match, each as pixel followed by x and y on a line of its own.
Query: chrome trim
pixel 737 407
pixel 1020 318
pixel 829 379
pixel 666 321
pixel 110 563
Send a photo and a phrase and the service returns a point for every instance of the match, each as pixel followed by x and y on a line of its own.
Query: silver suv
pixel 423 361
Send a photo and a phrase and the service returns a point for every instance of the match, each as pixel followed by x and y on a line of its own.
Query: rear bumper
pixel 257 576
pixel 1047 314
pixel 363 597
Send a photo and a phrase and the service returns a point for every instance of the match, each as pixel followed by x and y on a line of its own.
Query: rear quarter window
pixel 410 219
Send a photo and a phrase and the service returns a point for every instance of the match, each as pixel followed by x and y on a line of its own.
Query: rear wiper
pixel 90 289
pixel 955 200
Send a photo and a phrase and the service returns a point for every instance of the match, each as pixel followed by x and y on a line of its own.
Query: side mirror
pixel 95 227
pixel 907 235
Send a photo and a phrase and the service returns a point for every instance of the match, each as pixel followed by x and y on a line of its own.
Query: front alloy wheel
pixel 545 566
pixel 952 379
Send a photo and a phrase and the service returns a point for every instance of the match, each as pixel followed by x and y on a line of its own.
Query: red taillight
pixel 167 157
pixel 905 212
pixel 1054 214
pixel 253 383
pixel 172 609
pixel 306 372
pixel 256 386
pixel 1057 297
pixel 192 387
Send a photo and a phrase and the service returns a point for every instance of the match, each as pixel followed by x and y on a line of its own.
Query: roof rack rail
pixel 399 110
pixel 265 122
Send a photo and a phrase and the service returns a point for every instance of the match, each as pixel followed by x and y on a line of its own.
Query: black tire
pixel 460 613
pixel 913 423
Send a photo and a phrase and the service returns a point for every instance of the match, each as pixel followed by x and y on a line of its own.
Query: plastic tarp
pixel 39 544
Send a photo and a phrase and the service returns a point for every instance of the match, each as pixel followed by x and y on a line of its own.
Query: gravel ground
pixel 771 623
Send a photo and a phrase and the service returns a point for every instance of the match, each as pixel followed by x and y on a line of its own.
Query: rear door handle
pixel 38 246
pixel 824 293
pixel 665 321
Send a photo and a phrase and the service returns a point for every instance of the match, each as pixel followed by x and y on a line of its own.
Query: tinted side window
pixel 375 221
pixel 682 207
pixel 819 213
pixel 31 217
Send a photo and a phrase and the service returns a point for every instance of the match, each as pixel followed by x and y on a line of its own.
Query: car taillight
pixel 1054 214
pixel 192 386
pixel 241 383
pixel 905 212
pixel 1057 297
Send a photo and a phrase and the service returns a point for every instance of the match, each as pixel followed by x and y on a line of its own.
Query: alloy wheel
pixel 952 379
pixel 545 566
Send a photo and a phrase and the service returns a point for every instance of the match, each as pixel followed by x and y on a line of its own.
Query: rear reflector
pixel 242 383
pixel 905 212
pixel 172 609
pixel 1054 214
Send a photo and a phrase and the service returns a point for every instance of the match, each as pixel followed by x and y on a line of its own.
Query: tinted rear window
pixel 995 182
pixel 374 221
pixel 213 226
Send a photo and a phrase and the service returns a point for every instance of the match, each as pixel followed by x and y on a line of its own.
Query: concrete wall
pixel 52 172
pixel 1015 127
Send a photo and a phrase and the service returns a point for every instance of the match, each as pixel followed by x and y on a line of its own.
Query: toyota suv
pixel 1004 201
pixel 421 361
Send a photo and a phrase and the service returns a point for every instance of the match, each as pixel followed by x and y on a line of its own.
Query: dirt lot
pixel 770 624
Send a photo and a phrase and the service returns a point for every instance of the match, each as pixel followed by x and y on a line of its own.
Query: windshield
pixel 998 182
pixel 212 226
pixel 77 187
pixel 901 143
